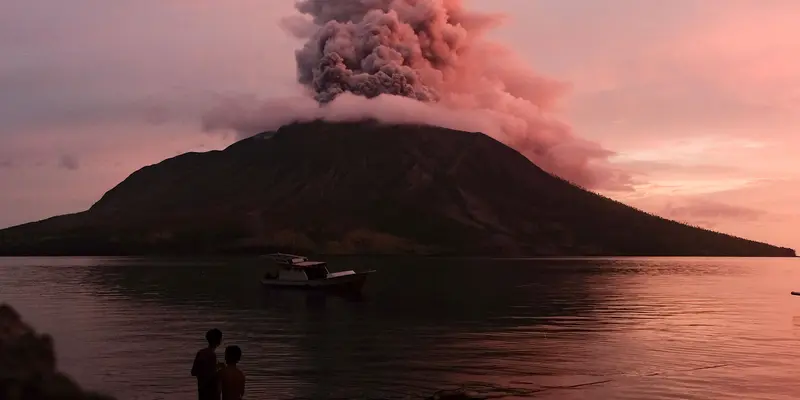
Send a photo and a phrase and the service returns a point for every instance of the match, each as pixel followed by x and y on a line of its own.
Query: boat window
pixel 316 273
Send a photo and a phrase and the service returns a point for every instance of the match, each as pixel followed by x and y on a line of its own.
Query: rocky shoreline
pixel 28 364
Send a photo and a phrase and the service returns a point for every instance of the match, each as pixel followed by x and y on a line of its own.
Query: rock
pixel 28 364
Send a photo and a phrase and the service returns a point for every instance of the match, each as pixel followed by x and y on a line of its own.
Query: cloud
pixel 57 70
pixel 710 213
pixel 691 68
pixel 763 209
pixel 651 168
pixel 69 162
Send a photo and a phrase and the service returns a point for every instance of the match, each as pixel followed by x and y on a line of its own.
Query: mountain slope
pixel 359 188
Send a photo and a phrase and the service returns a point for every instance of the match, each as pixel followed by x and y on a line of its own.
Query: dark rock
pixel 28 364
pixel 362 188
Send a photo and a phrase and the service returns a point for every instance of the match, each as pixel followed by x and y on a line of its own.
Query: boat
pixel 294 271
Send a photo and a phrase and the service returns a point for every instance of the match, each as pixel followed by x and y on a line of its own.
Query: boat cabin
pixel 299 268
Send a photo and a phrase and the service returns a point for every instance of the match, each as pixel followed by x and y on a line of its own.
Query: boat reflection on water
pixel 313 299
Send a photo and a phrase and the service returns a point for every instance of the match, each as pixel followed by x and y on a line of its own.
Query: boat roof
pixel 284 255
pixel 295 260
pixel 291 258
pixel 307 264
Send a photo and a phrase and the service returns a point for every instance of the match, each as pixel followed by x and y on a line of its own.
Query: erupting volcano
pixel 324 176
pixel 423 62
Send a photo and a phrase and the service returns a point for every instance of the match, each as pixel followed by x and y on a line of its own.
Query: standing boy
pixel 231 379
pixel 205 367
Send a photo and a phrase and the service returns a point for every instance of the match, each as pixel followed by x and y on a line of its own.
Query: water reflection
pixel 441 292
pixel 418 326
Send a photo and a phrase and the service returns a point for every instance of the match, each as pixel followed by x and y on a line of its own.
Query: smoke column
pixel 427 61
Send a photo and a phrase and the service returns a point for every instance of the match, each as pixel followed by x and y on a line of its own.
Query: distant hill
pixel 345 188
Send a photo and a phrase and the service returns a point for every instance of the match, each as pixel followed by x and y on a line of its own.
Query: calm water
pixel 545 329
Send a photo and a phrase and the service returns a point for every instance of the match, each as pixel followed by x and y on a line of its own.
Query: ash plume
pixel 433 53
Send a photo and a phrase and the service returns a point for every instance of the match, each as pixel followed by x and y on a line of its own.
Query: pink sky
pixel 699 98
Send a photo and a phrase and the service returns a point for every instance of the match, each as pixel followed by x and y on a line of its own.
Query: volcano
pixel 363 188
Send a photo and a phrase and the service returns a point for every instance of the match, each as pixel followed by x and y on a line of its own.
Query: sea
pixel 576 328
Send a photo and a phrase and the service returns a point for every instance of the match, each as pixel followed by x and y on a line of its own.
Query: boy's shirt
pixel 204 368
pixel 231 381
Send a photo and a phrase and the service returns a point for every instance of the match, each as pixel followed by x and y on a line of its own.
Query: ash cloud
pixel 423 61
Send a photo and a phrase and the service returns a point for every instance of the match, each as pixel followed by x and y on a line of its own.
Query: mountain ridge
pixel 363 188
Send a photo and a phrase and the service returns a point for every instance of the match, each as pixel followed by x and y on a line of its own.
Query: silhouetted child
pixel 231 379
pixel 205 367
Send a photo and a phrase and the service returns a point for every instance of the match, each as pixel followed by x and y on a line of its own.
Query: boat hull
pixel 352 282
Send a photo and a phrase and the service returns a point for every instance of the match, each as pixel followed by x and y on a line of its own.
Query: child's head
pixel 214 337
pixel 233 354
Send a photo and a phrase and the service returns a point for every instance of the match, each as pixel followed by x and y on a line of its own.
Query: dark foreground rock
pixel 28 364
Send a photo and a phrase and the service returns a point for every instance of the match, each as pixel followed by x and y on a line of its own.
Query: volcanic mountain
pixel 355 188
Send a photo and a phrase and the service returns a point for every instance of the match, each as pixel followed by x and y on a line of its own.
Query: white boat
pixel 295 271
